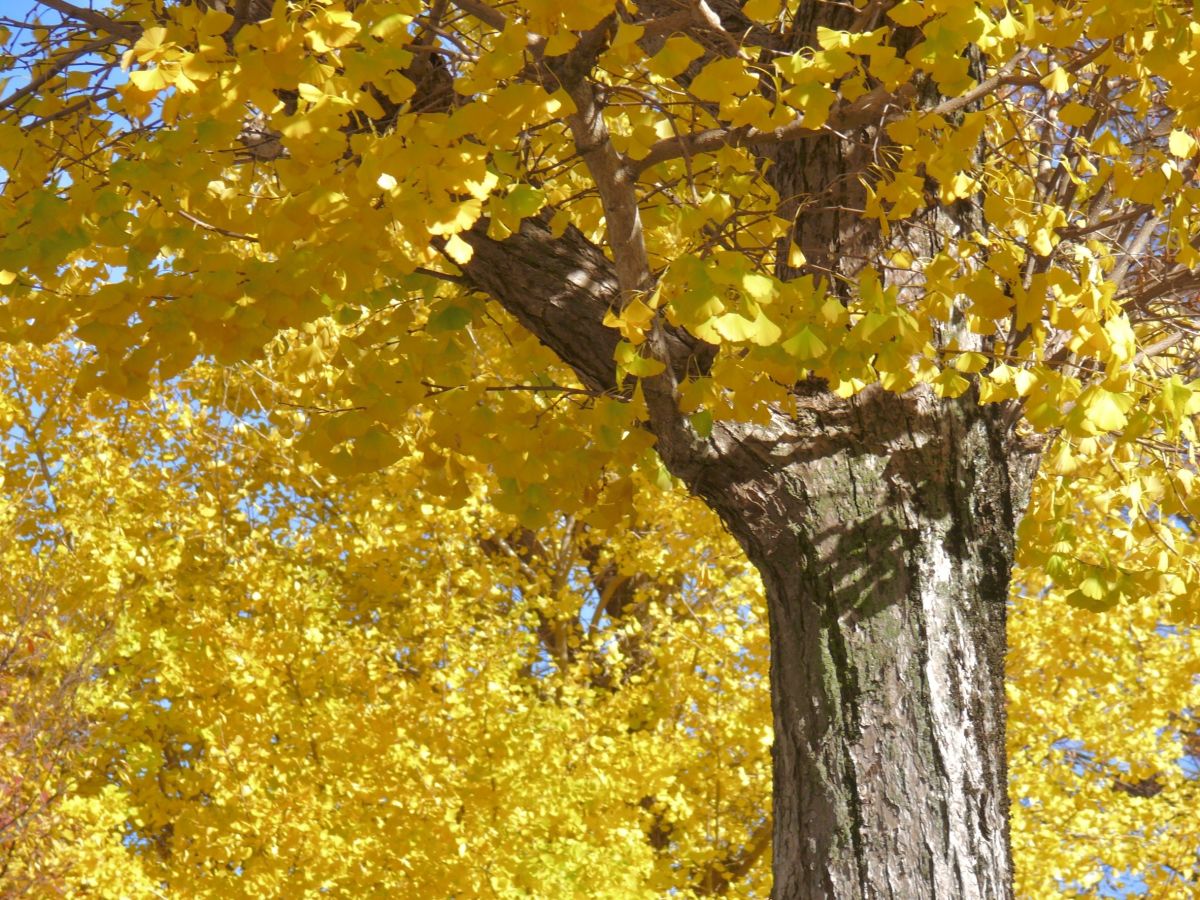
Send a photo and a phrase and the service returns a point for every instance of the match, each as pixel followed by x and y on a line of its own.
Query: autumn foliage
pixel 228 671
pixel 254 677
pixel 322 574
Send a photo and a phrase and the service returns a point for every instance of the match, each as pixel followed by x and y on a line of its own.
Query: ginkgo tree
pixel 840 268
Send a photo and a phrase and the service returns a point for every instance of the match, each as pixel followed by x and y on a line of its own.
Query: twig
pixel 533 388
pixel 217 229
pixel 55 68
pixel 846 117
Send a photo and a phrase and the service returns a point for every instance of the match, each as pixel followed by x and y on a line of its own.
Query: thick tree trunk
pixel 885 547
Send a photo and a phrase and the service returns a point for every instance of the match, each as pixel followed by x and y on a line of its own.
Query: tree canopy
pixel 249 171
pixel 383 339
pixel 189 180
pixel 231 672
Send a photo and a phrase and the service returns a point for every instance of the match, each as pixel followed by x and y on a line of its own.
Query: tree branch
pixel 94 20
pixel 870 107
pixel 874 106
pixel 54 68
pixel 559 288
pixel 531 388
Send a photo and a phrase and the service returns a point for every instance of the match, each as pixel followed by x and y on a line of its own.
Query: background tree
pixel 832 262
pixel 1102 708
pixel 299 682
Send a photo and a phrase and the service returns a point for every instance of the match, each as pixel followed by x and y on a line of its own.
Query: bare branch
pixel 55 68
pixel 435 389
pixel 94 20
pixel 216 229
pixel 483 13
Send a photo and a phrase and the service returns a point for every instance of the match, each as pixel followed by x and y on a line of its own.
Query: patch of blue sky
pixel 1121 884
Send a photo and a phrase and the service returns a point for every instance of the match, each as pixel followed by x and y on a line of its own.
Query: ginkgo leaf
pixel 762 10
pixel 149 80
pixel 449 318
pixel 736 327
pixel 635 363
pixel 459 250
pixel 908 13
pixel 677 53
pixel 1075 114
pixel 804 344
pixel 759 288
pixel 1181 144
pixel 1058 80
pixel 722 79
pixel 632 321
pixel 1104 409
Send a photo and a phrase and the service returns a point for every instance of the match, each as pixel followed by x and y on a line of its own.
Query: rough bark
pixel 885 548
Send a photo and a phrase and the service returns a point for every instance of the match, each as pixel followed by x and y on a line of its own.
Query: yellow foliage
pixel 273 681
pixel 320 614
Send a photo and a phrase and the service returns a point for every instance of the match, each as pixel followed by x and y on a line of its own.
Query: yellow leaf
pixel 676 55
pixel 1104 409
pixel 736 327
pixel 631 361
pixel 1063 461
pixel 759 288
pixel 1076 114
pixel 148 80
pixel 150 44
pixel 950 384
pixel 214 22
pixel 459 250
pixel 908 14
pixel 722 79
pixel 813 99
pixel 1058 80
pixel 1122 341
pixel 805 345
pixel 828 38
pixel 632 321
pixel 1181 144
pixel 1024 381
pixel 970 362
pixel 762 10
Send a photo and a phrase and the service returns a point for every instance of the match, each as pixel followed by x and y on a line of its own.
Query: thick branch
pixel 617 191
pixel 483 13
pixel 560 288
pixel 94 20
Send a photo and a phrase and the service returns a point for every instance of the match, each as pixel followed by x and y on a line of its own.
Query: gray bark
pixel 885 550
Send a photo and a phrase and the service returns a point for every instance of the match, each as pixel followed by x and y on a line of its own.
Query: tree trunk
pixel 885 546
